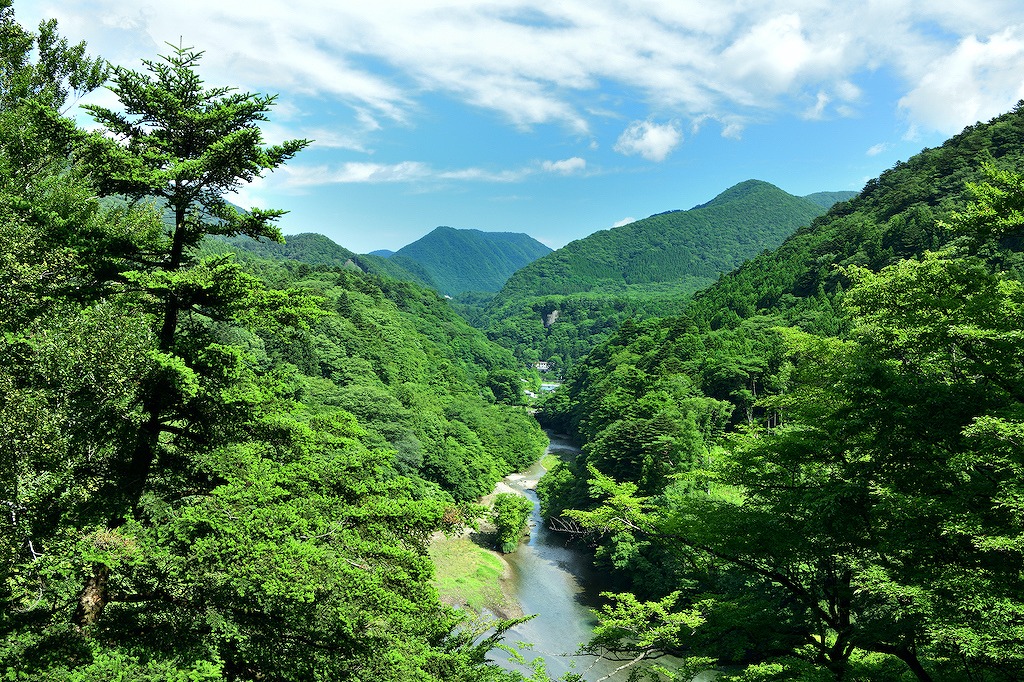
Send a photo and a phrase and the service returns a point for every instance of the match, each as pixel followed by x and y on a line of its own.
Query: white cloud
pixel 847 91
pixel 536 63
pixel 357 172
pixel 624 221
pixel 876 149
pixel 565 166
pixel 733 130
pixel 483 175
pixel 817 111
pixel 650 140
pixel 297 176
pixel 974 82
pixel 770 55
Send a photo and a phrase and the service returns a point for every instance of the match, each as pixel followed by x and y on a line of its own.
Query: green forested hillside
pixel 896 216
pixel 213 469
pixel 448 260
pixel 310 248
pixel 678 246
pixel 815 471
pixel 470 260
pixel 228 467
pixel 828 199
pixel 404 269
pixel 418 378
pixel 648 267
pixel 316 249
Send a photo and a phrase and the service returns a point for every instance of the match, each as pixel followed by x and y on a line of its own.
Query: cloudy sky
pixel 562 117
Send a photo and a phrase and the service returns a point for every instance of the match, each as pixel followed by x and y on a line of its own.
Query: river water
pixel 557 583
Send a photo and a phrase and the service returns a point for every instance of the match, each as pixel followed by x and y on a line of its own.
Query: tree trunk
pixel 907 656
pixel 94 597
pixel 915 666
pixel 155 399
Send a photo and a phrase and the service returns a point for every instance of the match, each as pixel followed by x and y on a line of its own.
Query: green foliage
pixel 212 470
pixel 669 247
pixel 42 68
pixel 646 268
pixel 187 145
pixel 414 373
pixel 404 269
pixel 510 513
pixel 857 514
pixel 312 249
pixel 506 387
pixel 898 215
pixel 829 199
pixel 652 626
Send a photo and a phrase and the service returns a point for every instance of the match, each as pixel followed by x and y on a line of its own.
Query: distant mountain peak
pixel 673 246
pixel 460 260
pixel 740 191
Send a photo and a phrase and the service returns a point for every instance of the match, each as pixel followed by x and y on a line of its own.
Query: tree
pixel 507 386
pixel 186 146
pixel 47 209
pixel 510 513
pixel 174 513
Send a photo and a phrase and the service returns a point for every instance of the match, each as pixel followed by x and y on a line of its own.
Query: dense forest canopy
pixel 815 471
pixel 448 260
pixel 212 467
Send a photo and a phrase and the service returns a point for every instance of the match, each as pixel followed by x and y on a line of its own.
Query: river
pixel 557 583
pixel 548 579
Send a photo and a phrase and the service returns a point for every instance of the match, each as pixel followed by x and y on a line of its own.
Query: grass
pixel 468 575
pixel 548 461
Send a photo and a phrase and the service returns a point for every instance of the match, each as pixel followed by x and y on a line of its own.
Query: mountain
pixel 310 248
pixel 558 307
pixel 447 260
pixel 396 267
pixel 677 246
pixel 828 199
pixel 896 216
pixel 470 260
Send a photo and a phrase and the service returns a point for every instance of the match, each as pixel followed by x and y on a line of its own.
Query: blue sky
pixel 562 117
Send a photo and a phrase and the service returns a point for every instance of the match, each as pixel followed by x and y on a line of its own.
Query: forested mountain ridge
pixel 677 246
pixel 216 468
pixel 560 306
pixel 316 249
pixel 310 248
pixel 451 261
pixel 461 260
pixel 421 382
pixel 815 471
pixel 896 216
pixel 828 199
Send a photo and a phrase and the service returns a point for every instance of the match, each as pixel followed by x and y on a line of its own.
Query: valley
pixel 771 437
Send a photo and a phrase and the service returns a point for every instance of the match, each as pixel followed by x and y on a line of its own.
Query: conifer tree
pixel 183 146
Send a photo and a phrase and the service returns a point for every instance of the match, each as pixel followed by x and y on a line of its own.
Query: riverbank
pixel 472 577
pixel 544 577
pixel 469 573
